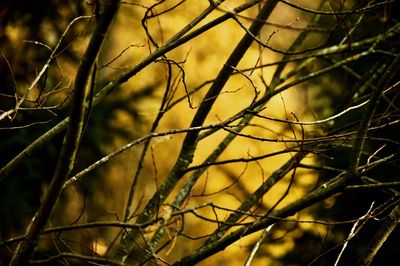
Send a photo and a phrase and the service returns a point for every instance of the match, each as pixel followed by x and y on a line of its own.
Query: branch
pixel 74 227
pixel 84 258
pixel 366 9
pixel 173 43
pixel 369 113
pixel 277 175
pixel 138 141
pixel 354 230
pixel 185 156
pixel 71 142
pixel 43 70
pixel 326 190
pixel 163 105
pixel 389 224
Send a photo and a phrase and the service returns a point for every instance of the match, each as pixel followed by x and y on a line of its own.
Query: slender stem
pixel 168 46
pixel 189 145
pixel 71 141
pixel 160 114
pixel 389 224
pixel 369 113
